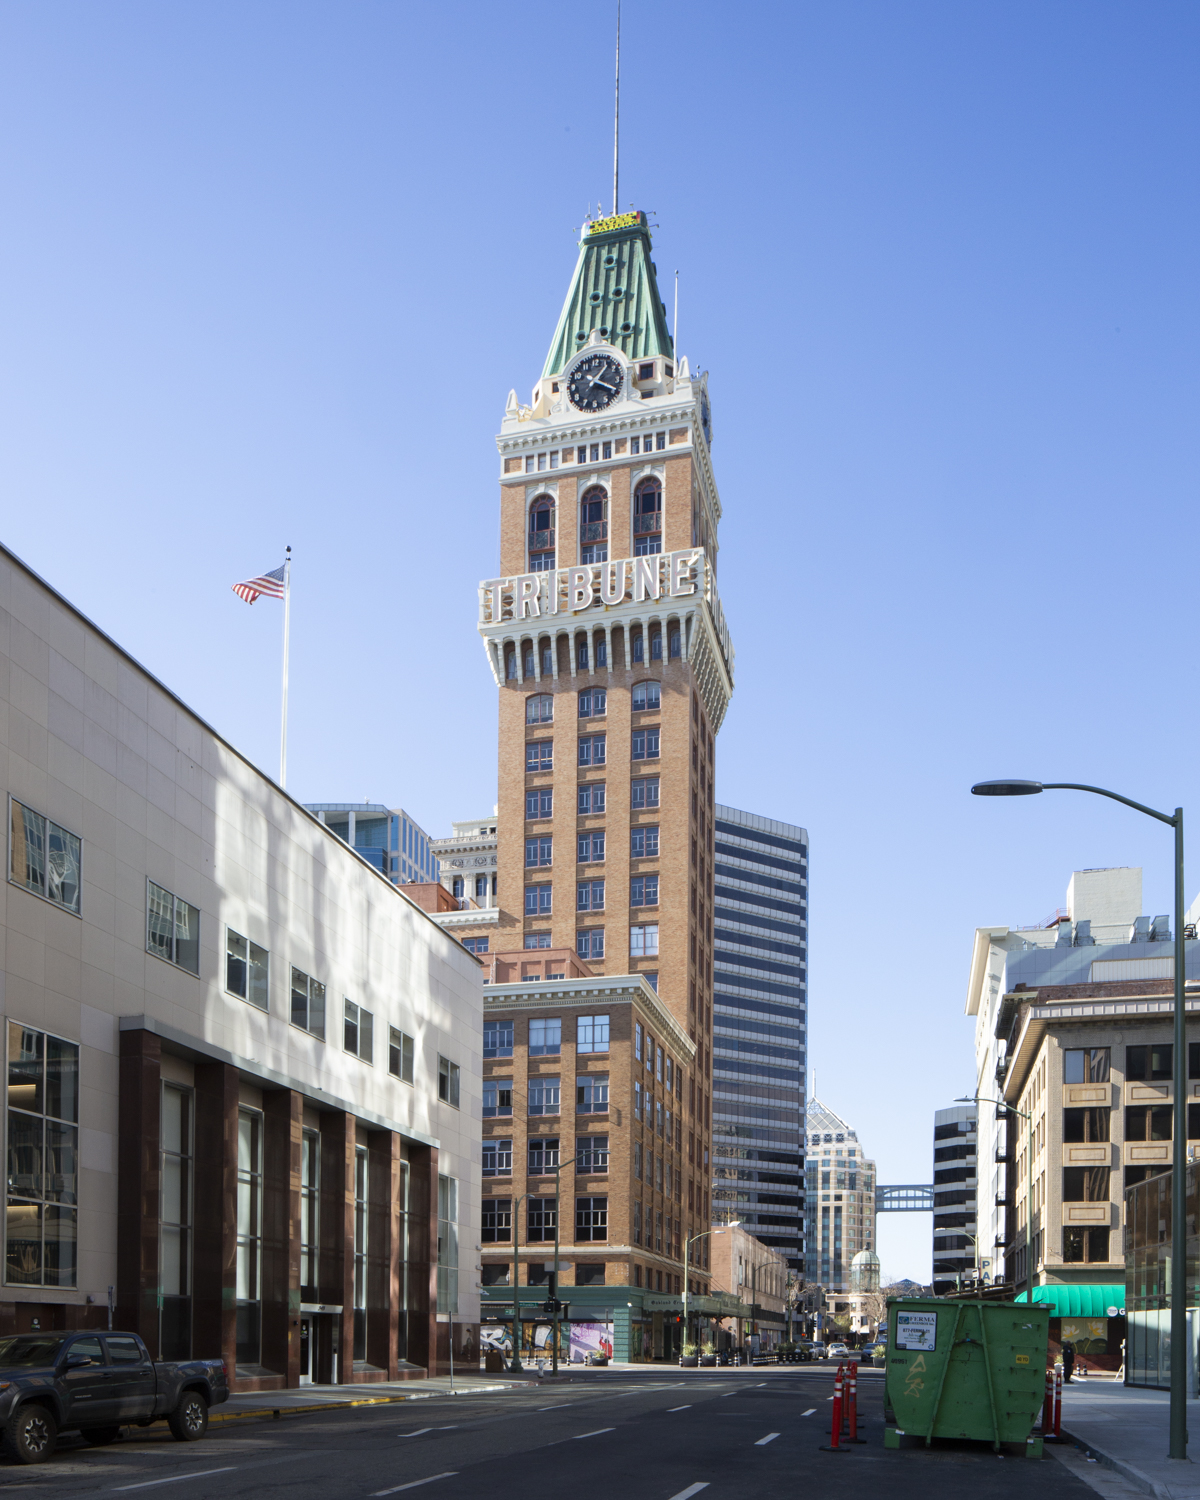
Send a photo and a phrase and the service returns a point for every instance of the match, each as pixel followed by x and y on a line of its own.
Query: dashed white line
pixel 414 1483
pixel 763 1441
pixel 810 1412
pixel 692 1489
pixel 687 1406
pixel 561 1407
pixel 417 1433
pixel 760 1385
pixel 175 1478
pixel 596 1433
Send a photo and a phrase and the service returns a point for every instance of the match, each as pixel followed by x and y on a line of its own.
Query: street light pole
pixel 557 1299
pixel 516 1367
pixel 1178 1287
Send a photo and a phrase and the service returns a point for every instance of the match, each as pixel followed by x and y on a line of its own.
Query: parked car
pixel 874 1351
pixel 95 1384
pixel 819 1350
pixel 839 1351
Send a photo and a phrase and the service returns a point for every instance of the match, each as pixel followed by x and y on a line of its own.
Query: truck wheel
pixel 100 1437
pixel 29 1438
pixel 189 1421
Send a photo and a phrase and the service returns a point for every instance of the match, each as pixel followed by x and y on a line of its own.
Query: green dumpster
pixel 970 1369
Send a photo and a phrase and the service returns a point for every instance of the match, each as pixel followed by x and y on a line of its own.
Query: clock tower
pixel 608 645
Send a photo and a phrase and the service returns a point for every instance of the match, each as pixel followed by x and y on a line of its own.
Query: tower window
pixel 593 703
pixel 593 523
pixel 646 695
pixel 539 709
pixel 541 531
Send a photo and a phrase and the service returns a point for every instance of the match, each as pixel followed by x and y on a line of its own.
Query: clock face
pixel 595 382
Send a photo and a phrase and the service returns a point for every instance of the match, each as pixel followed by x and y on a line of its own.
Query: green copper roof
pixel 615 290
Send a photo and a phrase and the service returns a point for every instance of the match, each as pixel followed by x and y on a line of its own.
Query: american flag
pixel 270 584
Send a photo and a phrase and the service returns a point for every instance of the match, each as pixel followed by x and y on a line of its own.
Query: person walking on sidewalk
pixel 1068 1359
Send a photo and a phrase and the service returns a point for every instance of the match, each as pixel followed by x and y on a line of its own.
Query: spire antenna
pixel 617 118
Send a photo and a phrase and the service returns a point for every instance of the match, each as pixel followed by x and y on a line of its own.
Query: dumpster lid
pixel 1088 1300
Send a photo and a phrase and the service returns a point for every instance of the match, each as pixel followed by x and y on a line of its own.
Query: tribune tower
pixel 607 641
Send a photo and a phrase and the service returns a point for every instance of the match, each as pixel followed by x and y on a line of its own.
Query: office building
pixel 760 967
pixel 385 837
pixel 608 646
pixel 468 862
pixel 592 1070
pixel 243 1067
pixel 1073 1032
pixel 745 1268
pixel 955 1256
pixel 839 1199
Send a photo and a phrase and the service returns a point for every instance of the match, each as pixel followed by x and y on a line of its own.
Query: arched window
pixel 647 518
pixel 646 695
pixel 593 526
pixel 539 709
pixel 541 535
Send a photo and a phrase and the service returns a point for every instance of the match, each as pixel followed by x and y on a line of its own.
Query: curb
pixel 1120 1466
pixel 273 1413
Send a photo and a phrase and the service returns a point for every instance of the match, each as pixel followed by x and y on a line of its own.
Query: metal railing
pixel 594 531
pixel 541 541
pixel 645 525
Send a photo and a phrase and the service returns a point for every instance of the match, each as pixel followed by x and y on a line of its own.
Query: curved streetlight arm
pixel 1077 786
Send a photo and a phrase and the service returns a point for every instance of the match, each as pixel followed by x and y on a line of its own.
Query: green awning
pixel 1082 1301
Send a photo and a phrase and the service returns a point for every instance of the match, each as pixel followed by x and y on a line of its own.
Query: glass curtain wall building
pixel 393 842
pixel 760 968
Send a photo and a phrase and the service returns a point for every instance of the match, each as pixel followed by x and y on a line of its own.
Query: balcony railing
pixel 594 531
pixel 541 541
pixel 645 525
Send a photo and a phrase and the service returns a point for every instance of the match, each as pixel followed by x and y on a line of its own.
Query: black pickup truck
pixel 95 1384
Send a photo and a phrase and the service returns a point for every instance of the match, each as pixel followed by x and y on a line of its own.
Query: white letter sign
pixel 527 596
pixel 646 578
pixel 579 587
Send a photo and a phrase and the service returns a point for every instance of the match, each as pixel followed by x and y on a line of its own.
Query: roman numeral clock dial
pixel 595 382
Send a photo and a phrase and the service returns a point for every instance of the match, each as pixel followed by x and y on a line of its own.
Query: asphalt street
pixel 660 1434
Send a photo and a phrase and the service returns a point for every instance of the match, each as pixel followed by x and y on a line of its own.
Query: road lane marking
pixel 770 1438
pixel 810 1412
pixel 686 1407
pixel 692 1489
pixel 597 1433
pixel 563 1407
pixel 175 1478
pixel 414 1483
pixel 760 1385
pixel 416 1433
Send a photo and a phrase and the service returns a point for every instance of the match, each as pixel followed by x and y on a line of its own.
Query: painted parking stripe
pixel 414 1483
pixel 763 1441
pixel 175 1478
pixel 692 1489
pixel 596 1433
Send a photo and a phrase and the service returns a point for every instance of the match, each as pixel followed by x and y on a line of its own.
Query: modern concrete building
pixel 1073 1030
pixel 955 1186
pixel 760 966
pixel 386 837
pixel 839 1199
pixel 243 1067
pixel 614 668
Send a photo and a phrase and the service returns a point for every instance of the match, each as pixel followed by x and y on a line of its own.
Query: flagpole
pixel 287 623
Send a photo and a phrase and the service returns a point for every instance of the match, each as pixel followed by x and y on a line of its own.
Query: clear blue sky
pixel 269 270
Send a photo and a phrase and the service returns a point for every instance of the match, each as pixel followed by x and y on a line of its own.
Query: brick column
pixel 139 1170
pixel 214 1263
pixel 338 1139
pixel 283 1134
pixel 422 1251
pixel 383 1247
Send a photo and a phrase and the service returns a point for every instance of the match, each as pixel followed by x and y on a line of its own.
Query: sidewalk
pixel 258 1404
pixel 1127 1428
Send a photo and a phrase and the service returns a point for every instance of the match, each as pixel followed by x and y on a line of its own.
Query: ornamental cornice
pixel 614 989
pixel 479 916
